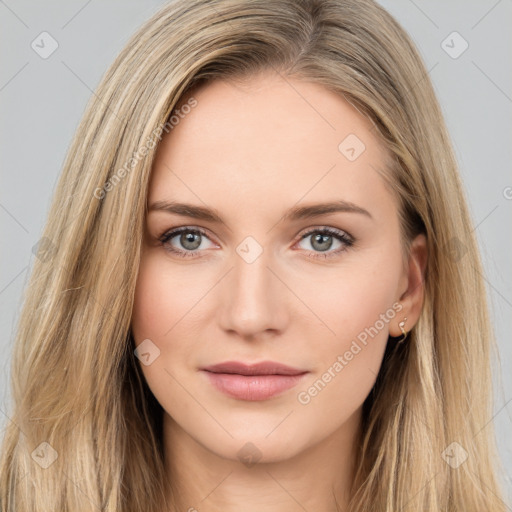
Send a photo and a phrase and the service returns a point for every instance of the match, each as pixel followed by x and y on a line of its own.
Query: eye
pixel 324 239
pixel 191 239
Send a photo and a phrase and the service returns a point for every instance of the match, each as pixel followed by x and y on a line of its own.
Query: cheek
pixel 160 315
pixel 355 300
pixel 158 310
pixel 357 305
pixel 163 296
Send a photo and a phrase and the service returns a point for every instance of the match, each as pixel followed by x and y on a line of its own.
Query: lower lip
pixel 253 387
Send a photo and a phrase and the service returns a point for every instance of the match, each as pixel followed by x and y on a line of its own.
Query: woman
pixel 259 287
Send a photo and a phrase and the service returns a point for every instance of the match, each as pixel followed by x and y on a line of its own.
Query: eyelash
pixel 347 240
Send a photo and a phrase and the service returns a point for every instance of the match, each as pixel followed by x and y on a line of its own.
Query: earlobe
pixel 412 298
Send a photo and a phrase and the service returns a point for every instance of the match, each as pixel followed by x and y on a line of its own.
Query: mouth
pixel 253 382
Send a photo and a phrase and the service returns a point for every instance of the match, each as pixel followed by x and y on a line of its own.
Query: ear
pixel 414 276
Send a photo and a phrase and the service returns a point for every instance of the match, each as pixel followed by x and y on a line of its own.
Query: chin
pixel 256 446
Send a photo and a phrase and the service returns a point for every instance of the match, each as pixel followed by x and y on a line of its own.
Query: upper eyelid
pixel 308 231
pixel 176 231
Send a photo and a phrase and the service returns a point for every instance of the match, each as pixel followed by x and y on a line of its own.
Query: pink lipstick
pixel 253 382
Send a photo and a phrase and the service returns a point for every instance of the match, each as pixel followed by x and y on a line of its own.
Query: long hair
pixel 85 432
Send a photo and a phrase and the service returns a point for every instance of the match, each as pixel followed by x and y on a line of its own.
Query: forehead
pixel 268 140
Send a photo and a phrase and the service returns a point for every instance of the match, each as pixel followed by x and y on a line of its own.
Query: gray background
pixel 42 100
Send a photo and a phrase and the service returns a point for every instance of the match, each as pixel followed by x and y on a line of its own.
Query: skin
pixel 252 152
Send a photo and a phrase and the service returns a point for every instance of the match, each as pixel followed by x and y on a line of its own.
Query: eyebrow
pixel 295 213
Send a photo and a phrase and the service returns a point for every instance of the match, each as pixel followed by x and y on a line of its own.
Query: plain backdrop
pixel 42 101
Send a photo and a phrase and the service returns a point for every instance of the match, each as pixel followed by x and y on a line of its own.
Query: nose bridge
pixel 251 303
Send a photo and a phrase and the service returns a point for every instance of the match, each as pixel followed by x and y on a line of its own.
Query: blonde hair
pixel 75 382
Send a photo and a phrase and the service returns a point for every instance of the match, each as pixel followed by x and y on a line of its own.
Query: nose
pixel 254 301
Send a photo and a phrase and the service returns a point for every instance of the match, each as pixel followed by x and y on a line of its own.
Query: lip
pixel 252 382
pixel 263 368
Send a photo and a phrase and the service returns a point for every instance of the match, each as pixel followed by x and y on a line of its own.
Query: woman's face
pixel 255 279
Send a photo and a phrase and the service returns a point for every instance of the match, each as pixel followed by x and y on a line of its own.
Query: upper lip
pixel 263 368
